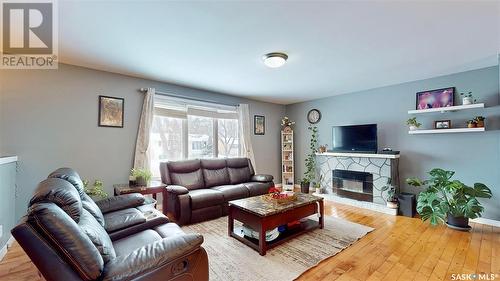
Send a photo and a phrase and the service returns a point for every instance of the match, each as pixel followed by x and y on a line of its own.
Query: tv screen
pixel 359 138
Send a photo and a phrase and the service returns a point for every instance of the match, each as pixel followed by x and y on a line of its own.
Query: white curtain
pixel 141 158
pixel 245 133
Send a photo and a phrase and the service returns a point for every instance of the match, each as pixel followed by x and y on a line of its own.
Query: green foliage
pixel 304 181
pixel 310 173
pixel 142 173
pixel 413 122
pixel 96 190
pixel 444 195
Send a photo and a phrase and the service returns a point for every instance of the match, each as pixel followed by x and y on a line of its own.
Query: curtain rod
pixel 143 90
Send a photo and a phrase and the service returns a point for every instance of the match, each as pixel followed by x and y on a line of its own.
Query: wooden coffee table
pixel 262 215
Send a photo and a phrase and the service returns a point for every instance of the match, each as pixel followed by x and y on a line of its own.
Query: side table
pixel 153 188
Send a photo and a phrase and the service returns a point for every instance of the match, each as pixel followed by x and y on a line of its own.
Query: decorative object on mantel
pixel 467 98
pixel 314 116
pixel 142 176
pixel 471 123
pixel 442 124
pixel 479 121
pixel 111 112
pixel 259 125
pixel 449 199
pixel 413 124
pixel 322 148
pixel 96 191
pixel 435 98
pixel 310 162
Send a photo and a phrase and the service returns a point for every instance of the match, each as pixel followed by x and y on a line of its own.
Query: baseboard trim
pixel 487 221
pixel 7 245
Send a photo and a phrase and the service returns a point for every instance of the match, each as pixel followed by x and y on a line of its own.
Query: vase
pixel 304 187
pixel 140 181
pixel 467 100
pixel 480 123
pixel 460 223
pixel 413 128
pixel 318 190
pixel 471 125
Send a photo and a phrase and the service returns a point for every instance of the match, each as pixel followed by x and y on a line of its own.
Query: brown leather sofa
pixel 199 190
pixel 69 237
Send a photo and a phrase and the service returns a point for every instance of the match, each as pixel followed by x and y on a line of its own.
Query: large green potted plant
pixel 310 173
pixel 450 200
pixel 142 176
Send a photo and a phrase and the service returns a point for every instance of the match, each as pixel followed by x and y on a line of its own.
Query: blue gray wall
pixel 49 119
pixel 7 195
pixel 475 157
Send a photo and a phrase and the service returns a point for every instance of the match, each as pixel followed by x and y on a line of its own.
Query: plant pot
pixel 322 149
pixel 480 123
pixel 304 187
pixel 472 125
pixel 459 223
pixel 467 100
pixel 140 181
pixel 392 204
pixel 413 128
pixel 318 190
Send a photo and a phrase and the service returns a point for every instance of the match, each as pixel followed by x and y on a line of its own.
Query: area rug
pixel 229 259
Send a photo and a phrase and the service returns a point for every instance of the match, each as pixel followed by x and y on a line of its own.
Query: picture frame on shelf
pixel 438 98
pixel 111 112
pixel 442 124
pixel 259 125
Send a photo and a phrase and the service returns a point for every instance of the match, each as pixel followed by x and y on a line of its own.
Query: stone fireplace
pixel 357 177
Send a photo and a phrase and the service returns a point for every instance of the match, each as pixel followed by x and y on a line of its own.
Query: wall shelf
pixel 447 131
pixel 447 109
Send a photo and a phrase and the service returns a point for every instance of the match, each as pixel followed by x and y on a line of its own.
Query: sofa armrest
pixel 262 178
pixel 120 202
pixel 177 189
pixel 152 257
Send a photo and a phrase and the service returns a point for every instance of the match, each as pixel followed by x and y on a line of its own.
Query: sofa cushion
pixel 258 188
pixel 202 198
pixel 214 172
pixel 97 235
pixel 61 193
pixel 123 218
pixel 239 169
pixel 73 177
pixel 168 229
pixel 233 192
pixel 186 173
pixel 128 244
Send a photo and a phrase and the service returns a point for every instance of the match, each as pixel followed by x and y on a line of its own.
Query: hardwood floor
pixel 399 248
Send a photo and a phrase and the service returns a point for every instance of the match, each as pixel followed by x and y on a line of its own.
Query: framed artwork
pixel 259 125
pixel 442 124
pixel 436 98
pixel 111 111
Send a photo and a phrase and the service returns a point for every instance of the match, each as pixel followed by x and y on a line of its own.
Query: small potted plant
pixel 467 98
pixel 142 176
pixel 304 185
pixel 449 200
pixel 317 185
pixel 413 124
pixel 96 192
pixel 479 121
pixel 322 148
pixel 391 198
pixel 286 123
pixel 472 123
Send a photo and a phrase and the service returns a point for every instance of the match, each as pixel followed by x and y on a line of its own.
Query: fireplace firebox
pixel 353 184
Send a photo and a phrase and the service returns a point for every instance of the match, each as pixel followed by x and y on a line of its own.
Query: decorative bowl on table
pixel 281 197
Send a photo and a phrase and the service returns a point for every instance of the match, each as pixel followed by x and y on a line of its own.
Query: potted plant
pixel 304 185
pixel 317 185
pixel 142 176
pixel 413 124
pixel 286 123
pixel 96 192
pixel 472 123
pixel 467 98
pixel 391 198
pixel 450 200
pixel 322 148
pixel 310 173
pixel 479 121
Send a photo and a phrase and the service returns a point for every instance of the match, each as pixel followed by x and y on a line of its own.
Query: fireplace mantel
pixel 360 155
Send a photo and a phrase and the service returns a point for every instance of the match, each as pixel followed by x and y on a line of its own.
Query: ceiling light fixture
pixel 275 60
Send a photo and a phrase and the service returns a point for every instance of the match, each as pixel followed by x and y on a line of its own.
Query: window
pixel 188 130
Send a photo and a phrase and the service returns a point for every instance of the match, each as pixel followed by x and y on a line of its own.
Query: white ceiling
pixel 334 47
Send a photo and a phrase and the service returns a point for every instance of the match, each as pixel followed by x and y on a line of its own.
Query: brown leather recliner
pixel 65 235
pixel 199 190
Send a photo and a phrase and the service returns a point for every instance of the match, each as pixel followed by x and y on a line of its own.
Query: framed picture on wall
pixel 442 124
pixel 259 125
pixel 436 98
pixel 111 112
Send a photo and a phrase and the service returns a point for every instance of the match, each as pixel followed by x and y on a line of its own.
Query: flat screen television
pixel 355 138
